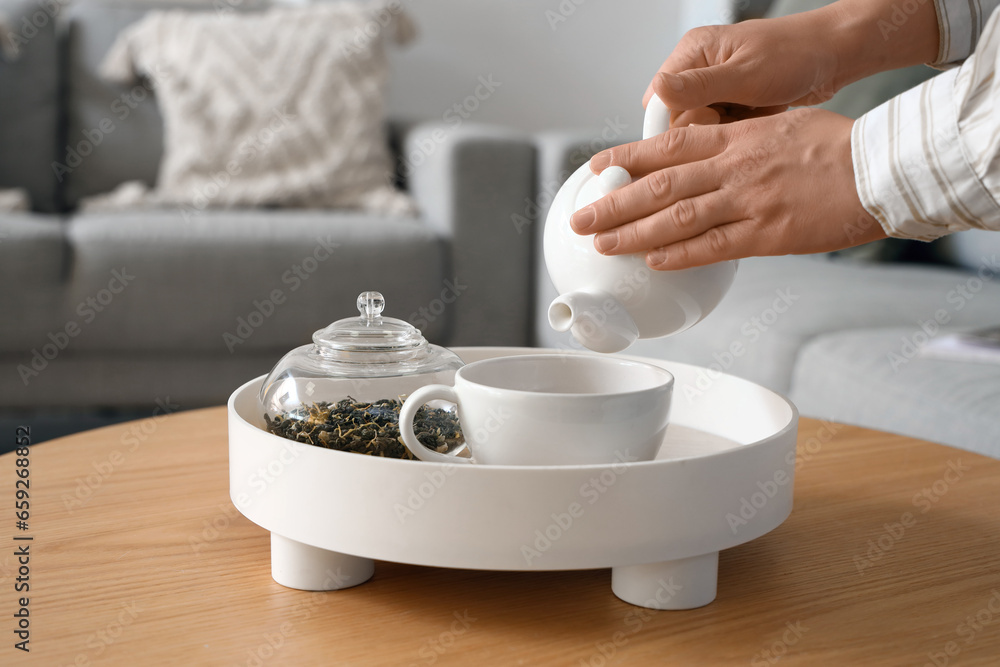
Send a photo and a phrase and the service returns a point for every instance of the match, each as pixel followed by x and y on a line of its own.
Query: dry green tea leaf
pixel 366 428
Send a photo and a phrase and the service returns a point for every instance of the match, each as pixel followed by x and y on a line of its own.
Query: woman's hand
pixel 749 69
pixel 761 67
pixel 775 185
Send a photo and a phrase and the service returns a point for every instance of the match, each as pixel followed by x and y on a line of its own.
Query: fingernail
pixel 583 219
pixel 600 162
pixel 675 82
pixel 607 241
pixel 656 257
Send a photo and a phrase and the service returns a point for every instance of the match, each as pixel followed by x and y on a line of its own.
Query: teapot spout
pixel 597 320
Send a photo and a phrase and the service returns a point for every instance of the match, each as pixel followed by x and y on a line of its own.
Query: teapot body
pixel 610 301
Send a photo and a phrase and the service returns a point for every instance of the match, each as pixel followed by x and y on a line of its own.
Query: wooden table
pixel 890 557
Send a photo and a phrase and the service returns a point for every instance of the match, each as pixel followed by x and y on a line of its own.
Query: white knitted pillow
pixel 277 108
pixel 14 200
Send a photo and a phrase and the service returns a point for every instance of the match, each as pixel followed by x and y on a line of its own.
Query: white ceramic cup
pixel 551 409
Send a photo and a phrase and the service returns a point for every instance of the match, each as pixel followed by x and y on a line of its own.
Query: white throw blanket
pixel 278 108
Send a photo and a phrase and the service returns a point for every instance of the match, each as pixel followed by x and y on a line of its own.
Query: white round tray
pixel 723 477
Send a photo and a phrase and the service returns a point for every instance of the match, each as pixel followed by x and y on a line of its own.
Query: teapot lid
pixel 370 332
pixel 367 346
pixel 362 350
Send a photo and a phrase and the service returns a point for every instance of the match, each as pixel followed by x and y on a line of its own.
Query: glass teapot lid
pixel 367 346
pixel 368 333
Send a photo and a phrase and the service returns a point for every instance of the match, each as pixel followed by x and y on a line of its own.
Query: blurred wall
pixel 557 64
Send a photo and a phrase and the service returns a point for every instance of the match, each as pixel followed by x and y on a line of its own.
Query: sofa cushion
pixel 972 249
pixel 139 381
pixel 29 104
pixel 32 250
pixel 33 263
pixel 871 378
pixel 777 304
pixel 234 281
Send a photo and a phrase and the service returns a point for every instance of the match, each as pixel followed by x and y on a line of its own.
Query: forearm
pixel 871 36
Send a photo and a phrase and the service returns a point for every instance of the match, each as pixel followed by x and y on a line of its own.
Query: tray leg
pixel 308 568
pixel 674 584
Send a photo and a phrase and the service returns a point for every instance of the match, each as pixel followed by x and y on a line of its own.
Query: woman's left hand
pixel 776 185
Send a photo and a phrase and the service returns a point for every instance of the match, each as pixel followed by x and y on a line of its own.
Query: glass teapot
pixel 344 390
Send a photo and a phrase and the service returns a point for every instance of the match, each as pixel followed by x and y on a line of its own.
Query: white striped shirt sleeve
pixel 927 162
pixel 960 23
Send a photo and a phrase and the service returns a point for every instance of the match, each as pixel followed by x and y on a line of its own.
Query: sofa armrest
pixel 475 187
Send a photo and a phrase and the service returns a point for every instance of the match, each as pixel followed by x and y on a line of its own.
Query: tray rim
pixel 528 351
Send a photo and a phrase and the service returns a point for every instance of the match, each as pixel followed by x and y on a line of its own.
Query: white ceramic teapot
pixel 608 302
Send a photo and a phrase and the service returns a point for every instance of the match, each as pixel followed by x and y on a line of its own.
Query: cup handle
pixel 409 410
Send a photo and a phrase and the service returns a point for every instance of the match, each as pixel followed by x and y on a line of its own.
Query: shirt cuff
pixel 910 168
pixel 960 22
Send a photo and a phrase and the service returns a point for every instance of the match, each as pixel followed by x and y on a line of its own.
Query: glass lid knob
pixel 370 305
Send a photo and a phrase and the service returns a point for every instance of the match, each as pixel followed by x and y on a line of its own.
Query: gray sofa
pixel 121 310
